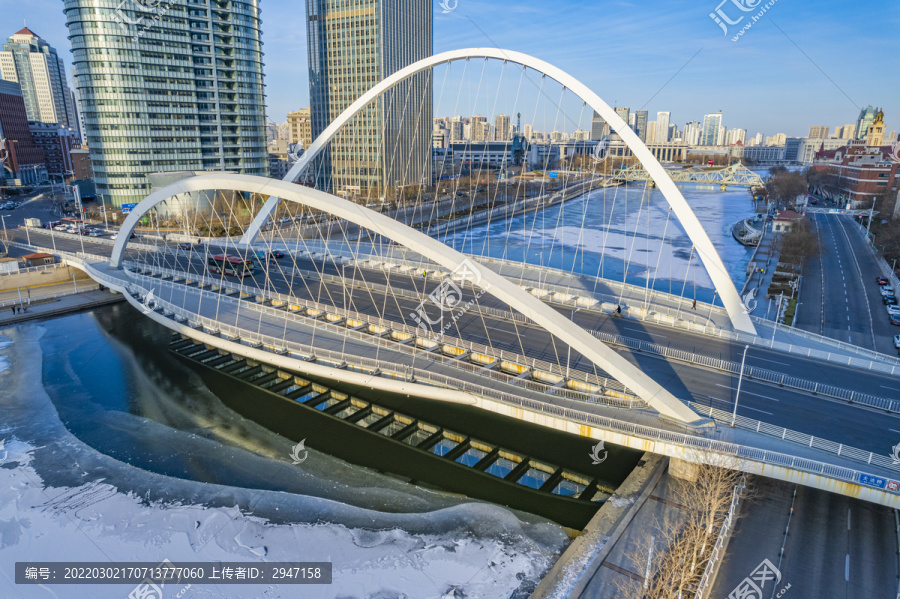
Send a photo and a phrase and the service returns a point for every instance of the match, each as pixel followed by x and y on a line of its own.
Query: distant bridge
pixel 734 175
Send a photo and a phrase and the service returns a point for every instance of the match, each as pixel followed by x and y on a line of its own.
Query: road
pixel 839 297
pixel 836 547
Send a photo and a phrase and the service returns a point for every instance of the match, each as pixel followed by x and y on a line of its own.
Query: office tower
pixel 598 127
pixel 631 120
pixel 720 138
pixel 527 132
pixel 354 44
pixel 624 113
pixel 640 124
pixel 819 131
pixel 866 118
pixel 849 131
pixel 24 159
pixel 837 132
pixel 476 128
pixel 758 139
pixel 502 131
pixel 177 87
pixel 662 127
pixel 711 124
pixel 651 132
pixel 31 62
pixel 300 127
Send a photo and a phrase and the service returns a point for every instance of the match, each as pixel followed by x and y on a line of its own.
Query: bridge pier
pixel 684 470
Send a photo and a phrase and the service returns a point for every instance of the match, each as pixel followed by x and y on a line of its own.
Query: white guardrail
pixel 27 301
pixel 725 448
pixel 718 550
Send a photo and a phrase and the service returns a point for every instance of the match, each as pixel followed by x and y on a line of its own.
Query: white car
pixel 114 237
pixel 893 309
pixel 897 341
pixel 60 228
pixel 887 290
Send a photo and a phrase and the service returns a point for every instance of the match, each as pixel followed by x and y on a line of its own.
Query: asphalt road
pixel 839 297
pixel 835 547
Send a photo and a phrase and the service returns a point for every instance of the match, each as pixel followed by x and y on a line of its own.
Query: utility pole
pixel 737 395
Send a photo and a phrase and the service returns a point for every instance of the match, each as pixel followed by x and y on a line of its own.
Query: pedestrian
pixel 14 310
pixel 25 309
pixel 619 309
pixel 694 306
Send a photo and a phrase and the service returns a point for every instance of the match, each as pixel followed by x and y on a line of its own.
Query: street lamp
pixel 569 355
pixel 740 380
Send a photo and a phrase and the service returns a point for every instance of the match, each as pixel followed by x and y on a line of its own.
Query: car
pixel 889 300
pixel 814 202
pixel 881 280
pixel 897 341
pixel 893 309
pixel 895 320
pixel 886 290
pixel 60 228
pixel 260 254
pixel 185 246
pixel 276 254
pixel 286 219
pixel 95 233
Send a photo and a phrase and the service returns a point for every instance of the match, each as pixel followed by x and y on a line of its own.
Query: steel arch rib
pixel 737 312
pixel 562 327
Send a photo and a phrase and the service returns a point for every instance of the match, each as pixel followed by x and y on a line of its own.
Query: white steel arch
pixel 562 327
pixel 721 280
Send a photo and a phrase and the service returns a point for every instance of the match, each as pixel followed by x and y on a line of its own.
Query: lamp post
pixel 737 395
pixel 569 355
pixel 5 238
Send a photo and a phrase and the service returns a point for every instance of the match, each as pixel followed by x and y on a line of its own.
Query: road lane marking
pixel 891 388
pixel 747 392
pixel 765 360
pixel 848 518
pixel 755 410
pixel 847 568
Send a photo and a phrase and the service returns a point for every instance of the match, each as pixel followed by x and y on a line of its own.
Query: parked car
pixel 895 320
pixel 881 280
pixel 897 341
pixel 893 309
pixel 60 228
pixel 886 290
pixel 889 300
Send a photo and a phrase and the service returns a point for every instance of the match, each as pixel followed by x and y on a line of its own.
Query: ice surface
pixel 103 513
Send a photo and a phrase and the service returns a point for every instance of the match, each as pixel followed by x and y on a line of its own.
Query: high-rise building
pixel 720 138
pixel 456 129
pixel 354 44
pixel 651 132
pixel 57 144
pixel 691 133
pixel 502 131
pixel 734 136
pixel 891 138
pixel 779 139
pixel 866 118
pixel 662 127
pixel 624 113
pixel 174 87
pixel 24 160
pixel 640 124
pixel 31 62
pixel 711 124
pixel 527 132
pixel 598 127
pixel 819 131
pixel 848 131
pixel 875 135
pixel 300 127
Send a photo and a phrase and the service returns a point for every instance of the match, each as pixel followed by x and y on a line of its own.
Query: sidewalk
pixel 766 257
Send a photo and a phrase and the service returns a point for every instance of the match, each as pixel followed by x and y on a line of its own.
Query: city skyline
pixel 687 67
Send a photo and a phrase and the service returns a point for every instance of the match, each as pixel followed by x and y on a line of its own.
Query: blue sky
pixel 803 63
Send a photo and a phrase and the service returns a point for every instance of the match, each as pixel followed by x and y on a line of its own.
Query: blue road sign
pixel 872 481
pixel 553 174
pixel 126 208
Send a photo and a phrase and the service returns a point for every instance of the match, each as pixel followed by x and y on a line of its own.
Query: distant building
pixel 502 129
pixel 735 137
pixel 662 127
pixel 440 139
pixel 779 139
pixel 875 135
pixel 31 62
pixel 300 127
pixel 598 127
pixel 791 148
pixel 691 133
pixel 624 113
pixel 819 131
pixel 25 160
pixel 763 154
pixel 808 148
pixel 866 118
pixel 784 221
pixel 848 131
pixel 711 124
pixel 640 124
pixel 81 164
pixel 57 144
pixel 863 173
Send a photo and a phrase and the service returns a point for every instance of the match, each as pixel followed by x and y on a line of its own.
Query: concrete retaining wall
pixel 50 276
